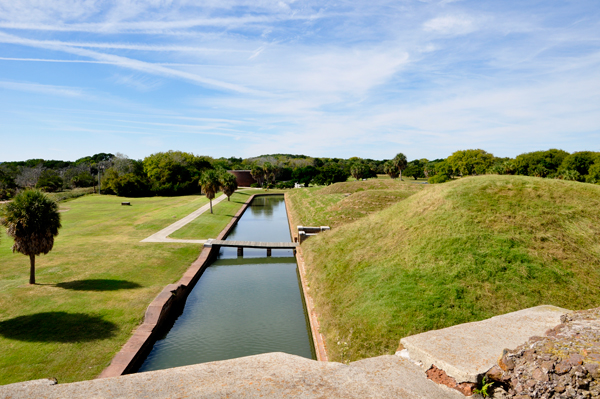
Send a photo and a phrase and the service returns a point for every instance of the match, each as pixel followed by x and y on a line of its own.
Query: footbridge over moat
pixel 240 245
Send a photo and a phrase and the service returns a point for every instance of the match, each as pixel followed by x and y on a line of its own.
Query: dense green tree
pixel 331 173
pixel 228 183
pixel 49 181
pixel 415 169
pixel 209 181
pixel 83 179
pixel 305 175
pixel 470 162
pixel 580 162
pixel 7 185
pixel 503 167
pixel 32 220
pixel 594 173
pixel 539 163
pixel 128 185
pixel 175 172
pixel 400 162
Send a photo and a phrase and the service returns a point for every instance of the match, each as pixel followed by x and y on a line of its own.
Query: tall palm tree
pixel 400 162
pixel 209 181
pixel 228 183
pixel 32 220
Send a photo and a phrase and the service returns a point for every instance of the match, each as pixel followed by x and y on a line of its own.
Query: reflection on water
pixel 241 306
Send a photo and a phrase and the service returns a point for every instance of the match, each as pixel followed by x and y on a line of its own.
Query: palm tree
pixel 269 172
pixel 257 173
pixel 390 169
pixel 32 220
pixel 400 163
pixel 228 183
pixel 209 181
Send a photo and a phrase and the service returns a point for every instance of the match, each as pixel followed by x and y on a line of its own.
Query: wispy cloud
pixel 42 89
pixel 125 62
pixel 325 78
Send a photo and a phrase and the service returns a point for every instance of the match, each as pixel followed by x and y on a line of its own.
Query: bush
pixel 255 185
pixel 570 174
pixel 580 162
pixel 49 181
pixel 129 185
pixel 594 174
pixel 285 184
pixel 438 179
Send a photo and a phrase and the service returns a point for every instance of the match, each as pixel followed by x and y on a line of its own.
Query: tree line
pixel 179 173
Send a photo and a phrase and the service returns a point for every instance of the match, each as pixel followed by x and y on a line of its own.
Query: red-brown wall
pixel 243 177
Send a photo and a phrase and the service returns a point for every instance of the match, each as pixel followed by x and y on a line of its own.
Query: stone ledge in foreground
pixel 466 351
pixel 271 375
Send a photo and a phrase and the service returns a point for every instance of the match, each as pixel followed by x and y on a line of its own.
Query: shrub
pixel 594 174
pixel 285 184
pixel 438 179
pixel 129 185
pixel 49 181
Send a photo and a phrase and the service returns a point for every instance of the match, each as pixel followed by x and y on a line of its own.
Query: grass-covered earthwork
pixel 448 254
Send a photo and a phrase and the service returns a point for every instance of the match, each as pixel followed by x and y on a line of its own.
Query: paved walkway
pixel 163 235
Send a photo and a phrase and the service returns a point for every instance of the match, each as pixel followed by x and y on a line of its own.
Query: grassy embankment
pixel 451 253
pixel 93 287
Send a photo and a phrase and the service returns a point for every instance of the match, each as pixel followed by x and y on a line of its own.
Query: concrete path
pixel 468 350
pixel 163 235
pixel 270 375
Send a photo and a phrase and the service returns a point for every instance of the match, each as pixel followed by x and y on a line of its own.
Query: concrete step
pixel 271 375
pixel 466 351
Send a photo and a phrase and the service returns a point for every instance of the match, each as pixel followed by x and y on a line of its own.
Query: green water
pixel 241 306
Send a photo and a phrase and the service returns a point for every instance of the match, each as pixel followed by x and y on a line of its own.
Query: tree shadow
pixel 57 327
pixel 98 285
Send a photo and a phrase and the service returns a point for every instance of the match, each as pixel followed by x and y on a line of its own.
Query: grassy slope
pixel 94 286
pixel 343 203
pixel 453 253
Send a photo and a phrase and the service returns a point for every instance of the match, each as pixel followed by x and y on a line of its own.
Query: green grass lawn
pixel 209 226
pixel 93 287
pixel 451 253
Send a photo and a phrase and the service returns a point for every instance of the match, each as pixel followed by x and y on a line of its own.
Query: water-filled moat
pixel 241 306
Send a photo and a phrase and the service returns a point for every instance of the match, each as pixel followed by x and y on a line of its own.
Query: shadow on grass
pixel 98 285
pixel 57 327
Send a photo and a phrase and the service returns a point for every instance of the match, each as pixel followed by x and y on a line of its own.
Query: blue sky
pixel 322 78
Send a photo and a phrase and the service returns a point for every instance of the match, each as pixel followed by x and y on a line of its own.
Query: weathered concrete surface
pixel 271 375
pixel 163 235
pixel 468 350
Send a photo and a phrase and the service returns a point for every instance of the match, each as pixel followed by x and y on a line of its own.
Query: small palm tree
pixel 228 183
pixel 32 220
pixel 390 169
pixel 269 170
pixel 258 174
pixel 209 181
pixel 400 162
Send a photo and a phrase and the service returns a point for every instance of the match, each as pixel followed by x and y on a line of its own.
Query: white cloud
pixel 451 25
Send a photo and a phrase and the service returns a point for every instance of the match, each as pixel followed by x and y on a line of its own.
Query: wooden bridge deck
pixel 251 244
